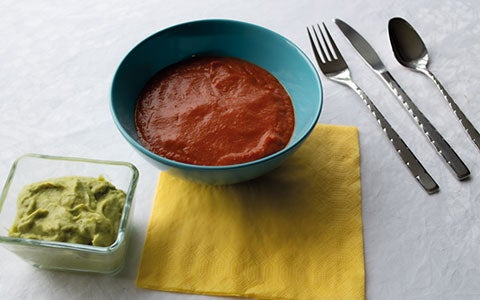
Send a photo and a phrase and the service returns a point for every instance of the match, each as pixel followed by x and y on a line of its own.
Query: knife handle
pixel 435 138
pixel 469 128
pixel 413 164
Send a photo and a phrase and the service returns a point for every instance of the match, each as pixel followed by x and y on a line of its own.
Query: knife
pixel 435 138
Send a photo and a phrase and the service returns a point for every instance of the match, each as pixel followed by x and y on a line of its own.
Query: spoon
pixel 411 52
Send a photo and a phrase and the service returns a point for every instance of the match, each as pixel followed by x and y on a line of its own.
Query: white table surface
pixel 57 60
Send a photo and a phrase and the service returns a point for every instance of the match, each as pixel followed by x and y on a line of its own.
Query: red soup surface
pixel 214 111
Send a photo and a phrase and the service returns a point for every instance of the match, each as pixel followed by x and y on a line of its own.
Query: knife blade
pixel 371 57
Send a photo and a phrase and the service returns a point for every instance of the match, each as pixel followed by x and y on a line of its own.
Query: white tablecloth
pixel 57 61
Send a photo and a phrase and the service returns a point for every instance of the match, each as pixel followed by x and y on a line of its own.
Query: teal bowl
pixel 252 43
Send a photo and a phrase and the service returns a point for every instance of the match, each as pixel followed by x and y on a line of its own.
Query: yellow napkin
pixel 295 233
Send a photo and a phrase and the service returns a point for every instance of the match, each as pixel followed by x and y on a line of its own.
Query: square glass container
pixel 32 168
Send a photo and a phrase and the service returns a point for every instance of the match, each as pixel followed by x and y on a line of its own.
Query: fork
pixel 333 66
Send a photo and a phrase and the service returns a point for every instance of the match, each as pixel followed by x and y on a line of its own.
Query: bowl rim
pixel 121 235
pixel 182 165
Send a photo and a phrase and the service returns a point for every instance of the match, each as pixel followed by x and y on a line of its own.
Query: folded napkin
pixel 295 233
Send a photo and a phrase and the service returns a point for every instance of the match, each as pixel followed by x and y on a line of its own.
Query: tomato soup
pixel 214 111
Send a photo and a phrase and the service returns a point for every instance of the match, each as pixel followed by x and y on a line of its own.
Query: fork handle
pixel 410 160
pixel 435 138
pixel 469 128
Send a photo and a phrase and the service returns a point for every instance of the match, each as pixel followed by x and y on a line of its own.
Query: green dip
pixel 82 210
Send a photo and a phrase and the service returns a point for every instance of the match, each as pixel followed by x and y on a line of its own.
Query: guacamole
pixel 75 209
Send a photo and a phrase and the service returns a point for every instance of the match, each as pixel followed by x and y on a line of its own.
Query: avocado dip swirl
pixel 73 209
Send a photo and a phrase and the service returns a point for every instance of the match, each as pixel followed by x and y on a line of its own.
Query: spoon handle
pixel 469 128
pixel 435 138
pixel 410 160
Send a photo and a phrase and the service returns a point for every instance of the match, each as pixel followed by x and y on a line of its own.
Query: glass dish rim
pixel 71 246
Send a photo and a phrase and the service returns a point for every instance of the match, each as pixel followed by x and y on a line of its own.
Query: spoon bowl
pixel 408 47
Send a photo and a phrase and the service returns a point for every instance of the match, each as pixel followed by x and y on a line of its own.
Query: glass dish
pixel 31 168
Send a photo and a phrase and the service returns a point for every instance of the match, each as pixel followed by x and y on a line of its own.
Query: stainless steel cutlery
pixel 372 59
pixel 411 52
pixel 333 65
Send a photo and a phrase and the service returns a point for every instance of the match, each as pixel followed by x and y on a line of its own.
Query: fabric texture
pixel 295 233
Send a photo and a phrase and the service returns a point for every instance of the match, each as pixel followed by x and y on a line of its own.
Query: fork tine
pixel 314 47
pixel 332 43
pixel 325 57
pixel 330 55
